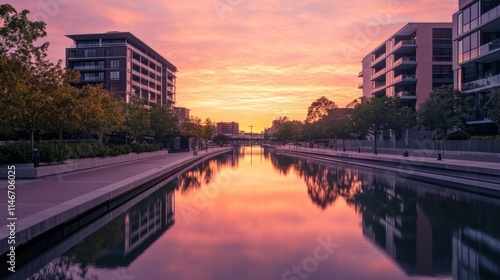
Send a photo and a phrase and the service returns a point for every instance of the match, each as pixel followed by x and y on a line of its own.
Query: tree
pixel 493 107
pixel 192 127
pixel 374 115
pixel 100 112
pixel 337 123
pixel 319 108
pixel 163 122
pixel 444 110
pixel 290 131
pixel 208 129
pixel 137 119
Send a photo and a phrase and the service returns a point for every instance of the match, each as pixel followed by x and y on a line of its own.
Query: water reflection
pixel 270 215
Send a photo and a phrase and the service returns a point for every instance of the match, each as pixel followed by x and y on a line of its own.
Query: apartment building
pixel 227 128
pixel 124 65
pixel 476 49
pixel 409 64
pixel 181 113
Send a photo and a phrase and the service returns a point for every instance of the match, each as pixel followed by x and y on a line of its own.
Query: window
pixel 108 52
pixel 441 36
pixel 114 87
pixel 90 53
pixel 441 54
pixel 90 77
pixel 114 63
pixel 114 75
pixel 442 72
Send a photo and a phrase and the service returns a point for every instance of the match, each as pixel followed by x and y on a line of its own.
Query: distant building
pixel 181 113
pixel 227 128
pixel 409 64
pixel 476 48
pixel 124 65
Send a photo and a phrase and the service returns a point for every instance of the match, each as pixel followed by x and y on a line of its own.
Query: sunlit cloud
pixel 247 61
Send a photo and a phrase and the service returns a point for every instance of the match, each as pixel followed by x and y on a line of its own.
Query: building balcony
pixel 88 67
pixel 83 46
pixel 378 60
pixel 405 79
pixel 484 84
pixel 360 74
pixel 379 88
pixel 360 85
pixel 406 95
pixel 405 63
pixel 490 15
pixel 379 74
pixel 405 46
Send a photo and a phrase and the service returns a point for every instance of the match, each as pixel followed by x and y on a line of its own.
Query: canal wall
pixel 94 204
pixel 472 176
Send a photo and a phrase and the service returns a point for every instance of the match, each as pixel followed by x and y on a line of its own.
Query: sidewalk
pixel 46 202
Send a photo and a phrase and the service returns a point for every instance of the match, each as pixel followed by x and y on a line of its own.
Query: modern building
pixel 227 128
pixel 181 113
pixel 410 63
pixel 124 65
pixel 476 49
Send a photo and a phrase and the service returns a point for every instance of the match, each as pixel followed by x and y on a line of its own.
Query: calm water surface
pixel 251 214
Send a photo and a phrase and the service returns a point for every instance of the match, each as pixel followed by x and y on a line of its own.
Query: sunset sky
pixel 248 61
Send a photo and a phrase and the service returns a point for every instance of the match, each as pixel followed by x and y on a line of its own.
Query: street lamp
pixel 251 126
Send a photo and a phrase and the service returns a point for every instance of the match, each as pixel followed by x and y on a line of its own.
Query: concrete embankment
pixel 472 176
pixel 52 202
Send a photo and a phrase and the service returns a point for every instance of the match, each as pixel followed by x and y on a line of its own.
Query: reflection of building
pixel 409 64
pixel 125 65
pixel 404 231
pixel 143 224
pixel 181 113
pixel 476 255
pixel 227 128
pixel 476 47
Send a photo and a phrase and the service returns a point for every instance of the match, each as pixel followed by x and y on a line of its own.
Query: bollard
pixel 359 150
pixel 343 149
pixel 376 151
pixel 439 157
pixel 405 154
pixel 195 153
pixel 35 154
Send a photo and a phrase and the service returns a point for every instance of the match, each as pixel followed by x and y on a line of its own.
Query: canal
pixel 253 214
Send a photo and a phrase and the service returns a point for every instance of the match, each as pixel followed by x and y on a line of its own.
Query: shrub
pixel 17 152
pixel 458 135
pixel 143 148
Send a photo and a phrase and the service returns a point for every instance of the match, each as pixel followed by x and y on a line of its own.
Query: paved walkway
pixel 43 198
pixel 413 159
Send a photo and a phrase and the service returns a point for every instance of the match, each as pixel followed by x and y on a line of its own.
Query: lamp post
pixel 251 126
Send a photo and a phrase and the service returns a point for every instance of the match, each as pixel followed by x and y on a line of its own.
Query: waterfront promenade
pixel 470 175
pixel 47 202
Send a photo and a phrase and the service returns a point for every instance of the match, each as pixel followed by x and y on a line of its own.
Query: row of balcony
pixel 406 45
pixel 481 84
pixel 99 45
pixel 483 51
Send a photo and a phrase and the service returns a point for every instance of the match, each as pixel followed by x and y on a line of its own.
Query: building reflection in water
pixel 427 230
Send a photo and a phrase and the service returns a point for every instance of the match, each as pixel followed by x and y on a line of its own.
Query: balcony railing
pixel 360 85
pixel 377 59
pixel 487 82
pixel 378 73
pixel 403 60
pixel 360 74
pixel 406 94
pixel 98 45
pixel 88 67
pixel 490 15
pixel 405 77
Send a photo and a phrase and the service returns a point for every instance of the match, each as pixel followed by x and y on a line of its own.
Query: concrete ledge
pixel 27 171
pixel 39 223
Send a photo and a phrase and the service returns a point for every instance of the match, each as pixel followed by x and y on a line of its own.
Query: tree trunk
pixel 32 139
pixel 60 136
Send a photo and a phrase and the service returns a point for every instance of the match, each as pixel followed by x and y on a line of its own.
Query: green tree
pixel 493 107
pixel 163 122
pixel 208 129
pixel 290 131
pixel 319 108
pixel 137 119
pixel 444 110
pixel 374 115
pixel 192 127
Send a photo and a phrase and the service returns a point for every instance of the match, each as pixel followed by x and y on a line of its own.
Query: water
pixel 251 214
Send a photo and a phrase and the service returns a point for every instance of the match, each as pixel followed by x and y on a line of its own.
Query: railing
pixel 378 58
pixel 490 15
pixel 404 77
pixel 448 146
pixel 99 45
pixel 404 59
pixel 406 94
pixel 481 83
pixel 360 74
pixel 88 67
pixel 378 73
pixel 360 85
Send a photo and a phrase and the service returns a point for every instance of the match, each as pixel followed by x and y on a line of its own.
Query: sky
pixel 248 61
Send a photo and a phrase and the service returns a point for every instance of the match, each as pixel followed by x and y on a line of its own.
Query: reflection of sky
pixel 258 226
pixel 246 60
